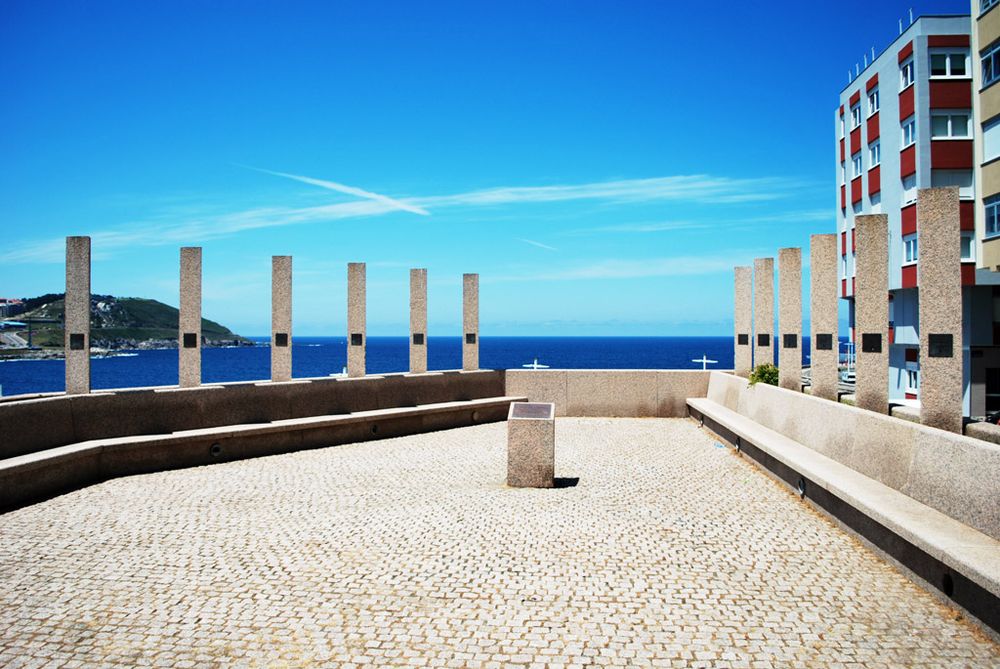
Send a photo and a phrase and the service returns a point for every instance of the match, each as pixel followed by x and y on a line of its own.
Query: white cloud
pixel 538 244
pixel 627 268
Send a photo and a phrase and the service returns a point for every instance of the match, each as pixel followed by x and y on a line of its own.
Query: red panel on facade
pixel 911 354
pixel 966 215
pixel 872 83
pixel 951 94
pixel 854 243
pixel 874 180
pixel 872 128
pixel 968 274
pixel 908 161
pixel 892 335
pixel 843 287
pixel 906 52
pixel 853 284
pixel 843 156
pixel 843 243
pixel 855 190
pixel 909 276
pixel 843 197
pixel 906 103
pixel 911 396
pixel 855 99
pixel 855 140
pixel 947 40
pixel 951 154
pixel 908 215
pixel 841 110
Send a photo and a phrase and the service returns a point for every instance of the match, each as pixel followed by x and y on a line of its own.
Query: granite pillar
pixel 189 341
pixel 824 359
pixel 418 321
pixel 281 318
pixel 356 338
pixel 531 445
pixel 940 296
pixel 743 321
pixel 77 315
pixel 871 312
pixel 763 310
pixel 790 318
pixel 470 322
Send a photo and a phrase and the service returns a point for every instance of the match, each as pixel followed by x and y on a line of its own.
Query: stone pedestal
pixel 743 321
pixel 790 318
pixel 825 356
pixel 763 310
pixel 871 312
pixel 940 276
pixel 281 318
pixel 470 322
pixel 418 321
pixel 531 445
pixel 189 330
pixel 77 315
pixel 356 337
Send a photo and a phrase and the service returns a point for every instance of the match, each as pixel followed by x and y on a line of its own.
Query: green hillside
pixel 114 320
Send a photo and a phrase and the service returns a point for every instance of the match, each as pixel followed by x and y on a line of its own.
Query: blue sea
pixel 322 356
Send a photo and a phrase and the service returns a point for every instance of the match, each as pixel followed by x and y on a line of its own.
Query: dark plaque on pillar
pixel 418 338
pixel 824 342
pixel 790 341
pixel 76 342
pixel 939 346
pixel 281 339
pixel 743 339
pixel 190 340
pixel 470 337
pixel 763 340
pixel 356 339
pixel 871 342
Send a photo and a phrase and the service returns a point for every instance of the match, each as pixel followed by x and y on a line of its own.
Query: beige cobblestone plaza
pixel 670 551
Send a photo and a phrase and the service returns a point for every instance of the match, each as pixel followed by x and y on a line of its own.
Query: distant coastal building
pixel 10 307
pixel 905 122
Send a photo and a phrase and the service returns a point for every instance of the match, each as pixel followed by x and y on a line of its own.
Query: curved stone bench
pixel 958 560
pixel 41 474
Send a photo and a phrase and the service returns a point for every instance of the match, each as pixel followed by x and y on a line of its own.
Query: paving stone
pixel 669 552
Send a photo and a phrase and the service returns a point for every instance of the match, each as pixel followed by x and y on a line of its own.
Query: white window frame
pixel 986 4
pixel 912 378
pixel 874 154
pixel 873 102
pixel 856 116
pixel 906 74
pixel 991 139
pixel 938 113
pixel 971 236
pixel 963 53
pixel 989 61
pixel 857 165
pixel 909 192
pixel 911 124
pixel 992 207
pixel 911 251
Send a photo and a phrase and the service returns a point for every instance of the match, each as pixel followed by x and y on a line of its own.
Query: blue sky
pixel 603 166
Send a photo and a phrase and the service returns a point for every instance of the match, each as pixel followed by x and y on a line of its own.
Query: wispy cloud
pixel 188 227
pixel 637 268
pixel 810 216
pixel 347 190
pixel 538 244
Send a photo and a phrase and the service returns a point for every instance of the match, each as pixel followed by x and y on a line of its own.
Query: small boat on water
pixel 535 365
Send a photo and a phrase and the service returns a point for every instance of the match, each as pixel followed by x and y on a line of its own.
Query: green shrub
pixel 766 373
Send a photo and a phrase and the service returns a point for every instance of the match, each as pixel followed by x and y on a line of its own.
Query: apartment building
pixel 904 123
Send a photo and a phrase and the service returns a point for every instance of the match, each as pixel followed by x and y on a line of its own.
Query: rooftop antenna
pixel 873 53
pixel 911 16
pixel 866 61
pixel 849 79
pixel 901 26
pixel 857 70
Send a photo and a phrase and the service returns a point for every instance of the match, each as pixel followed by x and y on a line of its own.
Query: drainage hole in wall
pixel 374 429
pixel 801 488
pixel 215 451
pixel 475 416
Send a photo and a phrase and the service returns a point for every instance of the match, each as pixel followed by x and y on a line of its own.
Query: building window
pixel 912 381
pixel 992 206
pixel 960 178
pixel 910 189
pixel 874 154
pixel 856 159
pixel 909 132
pixel 855 116
pixel 954 125
pixel 991 65
pixel 842 124
pixel 873 101
pixel 909 249
pixel 949 64
pixel 991 139
pixel 843 266
pixel 968 246
pixel 906 74
pixel 986 4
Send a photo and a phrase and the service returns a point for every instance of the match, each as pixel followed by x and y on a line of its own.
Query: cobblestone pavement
pixel 669 552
